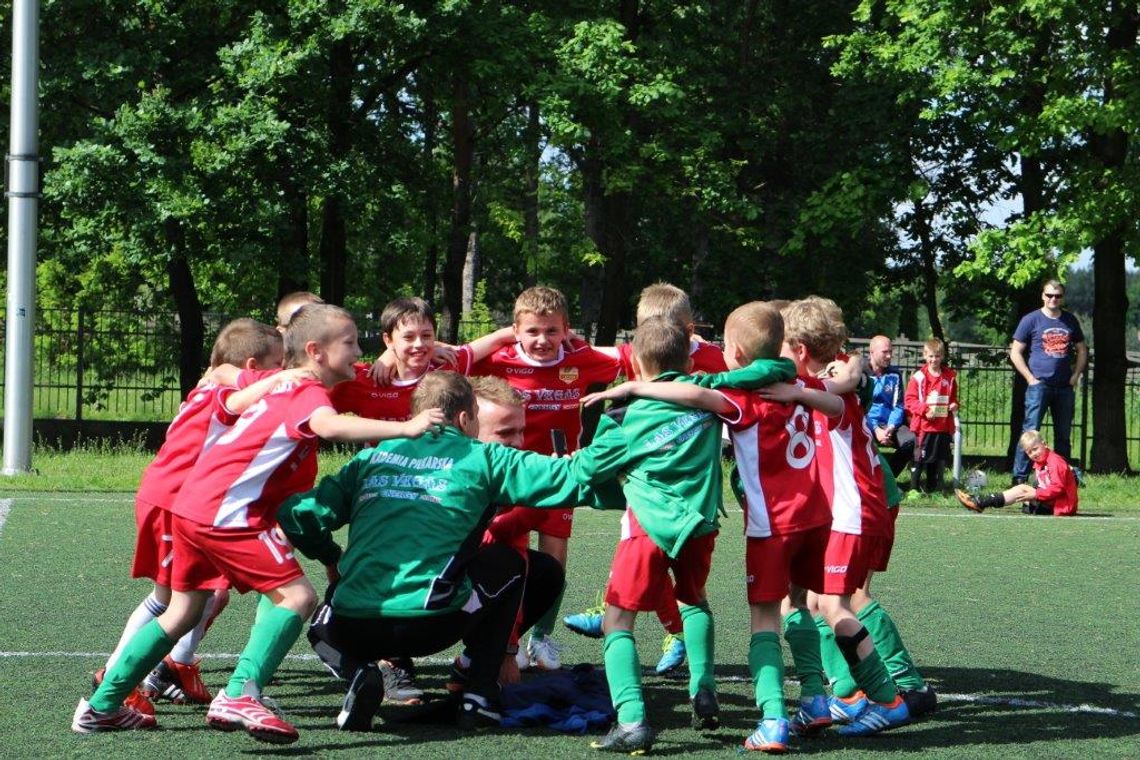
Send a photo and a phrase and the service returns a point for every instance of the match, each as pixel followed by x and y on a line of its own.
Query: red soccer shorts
pixel 640 571
pixel 251 559
pixel 555 522
pixel 848 560
pixel 772 563
pixel 883 555
pixel 154 545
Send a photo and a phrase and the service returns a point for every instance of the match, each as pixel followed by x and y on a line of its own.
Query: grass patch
pixel 997 609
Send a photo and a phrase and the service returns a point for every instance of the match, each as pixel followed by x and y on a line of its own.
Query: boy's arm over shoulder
pixel 683 393
pixel 309 519
pixel 759 373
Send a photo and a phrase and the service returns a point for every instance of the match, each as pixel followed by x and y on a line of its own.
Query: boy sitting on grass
pixel 1056 491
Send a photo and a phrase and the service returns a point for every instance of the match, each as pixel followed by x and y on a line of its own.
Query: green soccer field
pixel 1027 627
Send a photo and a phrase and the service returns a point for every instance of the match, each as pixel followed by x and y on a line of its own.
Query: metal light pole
pixel 23 194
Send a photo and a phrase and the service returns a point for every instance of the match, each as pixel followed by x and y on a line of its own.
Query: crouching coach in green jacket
pixel 413 578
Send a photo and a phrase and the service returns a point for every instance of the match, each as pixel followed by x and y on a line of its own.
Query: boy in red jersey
pixel 243 344
pixel 931 402
pixel 861 527
pixel 227 525
pixel 1056 491
pixel 658 300
pixel 407 326
pixel 553 379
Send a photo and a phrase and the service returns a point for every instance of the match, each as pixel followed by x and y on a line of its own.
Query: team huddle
pixel 456 475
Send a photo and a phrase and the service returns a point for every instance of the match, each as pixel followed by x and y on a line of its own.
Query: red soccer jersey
pixel 552 389
pixel 859 498
pixel 364 398
pixel 927 393
pixel 1056 483
pixel 241 480
pixel 706 358
pixel 775 456
pixel 201 418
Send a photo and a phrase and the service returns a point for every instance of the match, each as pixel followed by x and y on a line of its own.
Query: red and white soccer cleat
pixel 230 713
pixel 88 721
pixel 180 683
pixel 136 699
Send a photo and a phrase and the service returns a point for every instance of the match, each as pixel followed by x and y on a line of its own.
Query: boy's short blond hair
pixel 404 308
pixel 314 322
pixel 450 391
pixel 665 300
pixel 757 329
pixel 815 323
pixel 934 346
pixel 289 304
pixel 542 301
pixel 661 345
pixel 1028 438
pixel 496 390
pixel 244 339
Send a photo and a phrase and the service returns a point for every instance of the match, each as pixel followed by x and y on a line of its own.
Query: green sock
pixel 545 624
pixel 890 646
pixel 700 645
pixel 766 663
pixel 803 640
pixel 623 674
pixel 834 665
pixel 273 633
pixel 141 655
pixel 873 678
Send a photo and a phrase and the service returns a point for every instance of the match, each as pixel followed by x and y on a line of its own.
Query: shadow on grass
pixel 977 708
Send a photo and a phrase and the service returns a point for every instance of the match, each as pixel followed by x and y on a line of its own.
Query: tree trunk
pixel 334 235
pixel 191 333
pixel 431 256
pixel 463 154
pixel 471 266
pixel 1110 150
pixel 533 140
pixel 929 257
pixel 294 272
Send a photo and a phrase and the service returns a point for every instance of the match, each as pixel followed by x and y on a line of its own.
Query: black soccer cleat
pixel 634 739
pixel 706 710
pixel 920 702
pixel 365 692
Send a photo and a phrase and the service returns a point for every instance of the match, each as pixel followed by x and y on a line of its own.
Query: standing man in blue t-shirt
pixel 1051 335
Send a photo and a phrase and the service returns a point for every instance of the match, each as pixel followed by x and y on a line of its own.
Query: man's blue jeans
pixel 1061 401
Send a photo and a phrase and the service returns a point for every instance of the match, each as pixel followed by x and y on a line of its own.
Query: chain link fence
pixel 123 366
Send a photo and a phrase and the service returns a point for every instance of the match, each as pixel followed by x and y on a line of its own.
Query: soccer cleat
pixel 879 716
pixel 362 700
pixel 847 709
pixel 399 683
pixel 476 713
pixel 771 735
pixel 88 721
pixel 673 657
pixel 180 683
pixel 813 717
pixel 136 699
pixel 706 710
pixel 457 678
pixel 632 738
pixel 588 623
pixel 247 711
pixel 968 501
pixel 920 702
pixel 544 653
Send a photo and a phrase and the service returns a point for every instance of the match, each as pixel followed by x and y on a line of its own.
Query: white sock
pixel 148 610
pixel 184 650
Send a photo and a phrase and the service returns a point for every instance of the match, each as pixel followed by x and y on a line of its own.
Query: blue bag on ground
pixel 571 701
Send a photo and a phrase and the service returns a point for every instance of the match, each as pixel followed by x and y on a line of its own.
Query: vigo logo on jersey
pixel 520 370
pixel 801 445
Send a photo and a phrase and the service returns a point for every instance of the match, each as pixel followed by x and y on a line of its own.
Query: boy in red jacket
pixel 931 402
pixel 1056 491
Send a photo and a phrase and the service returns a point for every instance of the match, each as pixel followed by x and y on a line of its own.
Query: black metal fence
pixel 122 366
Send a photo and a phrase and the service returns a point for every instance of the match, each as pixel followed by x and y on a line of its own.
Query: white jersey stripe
pixel 234 509
pixel 846 504
pixel 747 447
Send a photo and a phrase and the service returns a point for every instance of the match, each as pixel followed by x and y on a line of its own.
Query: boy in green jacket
pixel 413 578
